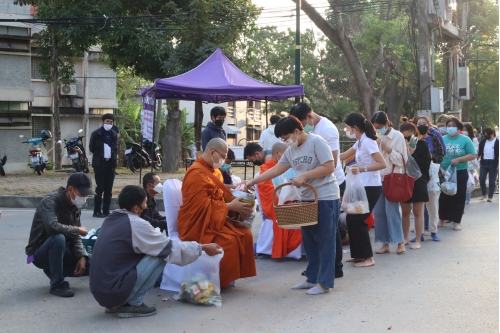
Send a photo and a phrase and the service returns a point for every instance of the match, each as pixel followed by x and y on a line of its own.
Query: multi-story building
pixel 26 100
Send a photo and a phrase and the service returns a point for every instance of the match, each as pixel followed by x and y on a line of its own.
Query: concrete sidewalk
pixel 450 286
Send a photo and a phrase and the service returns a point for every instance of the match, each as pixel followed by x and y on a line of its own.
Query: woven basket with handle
pixel 295 215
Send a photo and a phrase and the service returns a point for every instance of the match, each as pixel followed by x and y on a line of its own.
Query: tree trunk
pixel 198 123
pixel 423 55
pixel 55 103
pixel 392 103
pixel 171 142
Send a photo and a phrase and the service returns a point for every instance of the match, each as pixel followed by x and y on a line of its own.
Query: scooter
pixel 37 160
pixel 136 158
pixel 76 152
pixel 3 160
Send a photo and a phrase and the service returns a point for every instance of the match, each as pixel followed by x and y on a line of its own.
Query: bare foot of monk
pixel 384 249
pixel 401 248
pixel 365 263
pixel 457 227
pixel 416 246
pixel 355 260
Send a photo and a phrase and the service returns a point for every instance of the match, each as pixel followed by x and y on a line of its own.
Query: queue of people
pixel 132 248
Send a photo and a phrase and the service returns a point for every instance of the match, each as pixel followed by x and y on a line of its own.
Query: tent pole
pixel 153 143
pixel 267 114
pixel 297 47
pixel 140 162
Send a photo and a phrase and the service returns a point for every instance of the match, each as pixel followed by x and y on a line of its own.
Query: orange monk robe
pixel 203 218
pixel 284 241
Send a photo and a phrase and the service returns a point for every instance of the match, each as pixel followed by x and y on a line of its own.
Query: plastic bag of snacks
pixel 449 187
pixel 471 182
pixel 201 281
pixel 433 185
pixel 355 200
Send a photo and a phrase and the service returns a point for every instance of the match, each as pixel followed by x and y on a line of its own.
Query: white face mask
pixel 219 164
pixel 292 143
pixel 349 135
pixel 158 188
pixel 107 127
pixel 78 201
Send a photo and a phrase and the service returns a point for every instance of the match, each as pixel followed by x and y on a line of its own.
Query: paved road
pixel 451 286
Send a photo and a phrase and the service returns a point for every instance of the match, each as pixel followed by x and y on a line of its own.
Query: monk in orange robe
pixel 206 203
pixel 285 240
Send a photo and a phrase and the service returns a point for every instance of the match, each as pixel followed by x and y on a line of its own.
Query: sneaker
pixel 106 213
pixel 62 290
pixel 129 311
pixel 112 310
pixel 98 214
pixel 339 274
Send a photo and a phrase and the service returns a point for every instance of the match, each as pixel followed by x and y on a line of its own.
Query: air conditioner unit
pixel 463 83
pixel 437 105
pixel 68 89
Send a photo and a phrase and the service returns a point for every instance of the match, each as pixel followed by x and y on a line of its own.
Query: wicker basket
pixel 296 215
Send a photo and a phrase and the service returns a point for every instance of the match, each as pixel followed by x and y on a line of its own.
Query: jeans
pixel 148 270
pixel 388 220
pixel 57 260
pixel 489 168
pixel 104 179
pixel 319 242
pixel 338 250
pixel 426 218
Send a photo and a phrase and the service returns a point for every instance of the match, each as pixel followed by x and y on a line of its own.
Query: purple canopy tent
pixel 218 80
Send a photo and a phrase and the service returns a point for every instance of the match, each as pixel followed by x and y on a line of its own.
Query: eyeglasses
pixel 284 140
pixel 220 155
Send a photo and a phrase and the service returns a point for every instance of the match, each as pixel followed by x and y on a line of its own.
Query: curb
pixel 11 201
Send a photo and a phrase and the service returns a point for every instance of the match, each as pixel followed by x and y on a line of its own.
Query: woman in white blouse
pixel 389 227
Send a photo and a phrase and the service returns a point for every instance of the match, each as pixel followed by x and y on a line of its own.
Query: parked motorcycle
pixel 136 158
pixel 38 161
pixel 3 160
pixel 76 152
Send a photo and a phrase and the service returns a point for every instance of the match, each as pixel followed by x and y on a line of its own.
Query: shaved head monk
pixel 284 241
pixel 204 211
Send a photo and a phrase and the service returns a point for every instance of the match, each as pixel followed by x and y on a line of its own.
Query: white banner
pixel 148 117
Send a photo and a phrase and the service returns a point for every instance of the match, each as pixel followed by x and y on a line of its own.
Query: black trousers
pixel 451 208
pixel 338 243
pixel 104 179
pixel 359 238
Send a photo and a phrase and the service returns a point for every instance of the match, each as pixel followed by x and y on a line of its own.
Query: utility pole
pixel 423 55
pixel 297 47
pixel 55 100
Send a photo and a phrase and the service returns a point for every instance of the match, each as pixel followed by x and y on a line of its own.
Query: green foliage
pixel 187 135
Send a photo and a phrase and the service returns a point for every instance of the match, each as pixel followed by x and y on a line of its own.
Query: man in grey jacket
pixel 130 254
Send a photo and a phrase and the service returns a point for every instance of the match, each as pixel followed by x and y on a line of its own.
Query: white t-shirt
pixel 476 144
pixel 489 150
pixel 268 139
pixel 365 147
pixel 328 131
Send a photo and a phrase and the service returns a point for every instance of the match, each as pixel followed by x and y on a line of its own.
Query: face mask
pixel 78 201
pixel 219 123
pixel 139 213
pixel 217 165
pixel 308 128
pixel 423 129
pixel 443 130
pixel 452 131
pixel 349 135
pixel 290 142
pixel 107 127
pixel 158 188
pixel 257 163
pixel 382 131
pixel 225 167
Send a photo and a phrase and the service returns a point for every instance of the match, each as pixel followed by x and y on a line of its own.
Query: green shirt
pixel 458 146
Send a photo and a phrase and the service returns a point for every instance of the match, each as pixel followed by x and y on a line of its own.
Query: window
pixel 253 134
pixel 250 104
pixel 258 105
pixel 230 104
pixel 35 68
pixel 101 111
pixel 14 31
pixel 38 124
pixel 13 106
pixel 14 45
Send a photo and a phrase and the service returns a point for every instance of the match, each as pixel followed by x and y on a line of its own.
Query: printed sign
pixel 148 117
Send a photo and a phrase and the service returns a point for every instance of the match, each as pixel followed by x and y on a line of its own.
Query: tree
pixel 179 37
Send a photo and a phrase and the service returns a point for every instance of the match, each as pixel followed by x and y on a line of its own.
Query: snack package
pixel 201 282
pixel 355 200
pixel 449 187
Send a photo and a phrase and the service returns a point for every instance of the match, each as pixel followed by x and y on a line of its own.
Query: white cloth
pixel 396 141
pixel 365 147
pixel 475 141
pixel 489 150
pixel 432 208
pixel 107 151
pixel 267 138
pixel 329 132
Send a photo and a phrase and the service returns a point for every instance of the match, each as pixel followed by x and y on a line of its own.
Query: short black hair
pixel 458 123
pixel 488 131
pixel 301 110
pixel 287 125
pixel 380 117
pixel 230 155
pixel 131 196
pixel 251 149
pixel 148 178
pixel 217 111
pixel 108 116
pixel 274 119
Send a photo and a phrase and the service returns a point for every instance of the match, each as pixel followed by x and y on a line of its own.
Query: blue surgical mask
pixel 308 128
pixel 225 167
pixel 452 131
pixel 382 130
pixel 443 130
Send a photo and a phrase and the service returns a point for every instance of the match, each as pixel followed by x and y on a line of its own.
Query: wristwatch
pixel 365 169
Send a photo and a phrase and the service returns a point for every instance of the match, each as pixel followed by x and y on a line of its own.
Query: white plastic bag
pixel 355 200
pixel 412 168
pixel 236 180
pixel 449 187
pixel 288 195
pixel 201 282
pixel 474 164
pixel 471 182
pixel 433 184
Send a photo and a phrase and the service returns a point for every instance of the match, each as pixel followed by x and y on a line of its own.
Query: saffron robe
pixel 203 218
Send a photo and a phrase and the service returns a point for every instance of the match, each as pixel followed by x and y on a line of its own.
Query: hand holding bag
pixel 398 187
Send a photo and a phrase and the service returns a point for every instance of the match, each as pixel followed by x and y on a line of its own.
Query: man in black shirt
pixel 152 185
pixel 54 244
pixel 103 145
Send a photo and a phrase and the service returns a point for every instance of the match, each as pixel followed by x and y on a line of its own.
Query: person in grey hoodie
pixel 214 128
